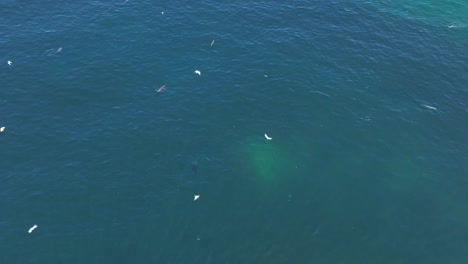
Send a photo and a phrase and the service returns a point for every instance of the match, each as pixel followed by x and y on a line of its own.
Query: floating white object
pixel 9 62
pixel 197 72
pixel 266 76
pixel 161 89
pixel 32 229
pixel 195 197
pixel 212 42
pixel 429 107
pixel 1 129
pixel 162 13
pixel 267 137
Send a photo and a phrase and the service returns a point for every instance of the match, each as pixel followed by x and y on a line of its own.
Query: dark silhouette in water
pixel 195 167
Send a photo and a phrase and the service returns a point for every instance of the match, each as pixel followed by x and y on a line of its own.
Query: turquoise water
pixel 360 168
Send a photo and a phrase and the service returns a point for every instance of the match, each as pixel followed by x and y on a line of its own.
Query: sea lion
pixel 195 167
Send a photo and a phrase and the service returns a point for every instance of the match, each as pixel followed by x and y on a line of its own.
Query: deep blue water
pixel 366 102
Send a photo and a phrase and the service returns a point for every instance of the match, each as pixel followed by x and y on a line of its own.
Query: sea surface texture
pixel 366 103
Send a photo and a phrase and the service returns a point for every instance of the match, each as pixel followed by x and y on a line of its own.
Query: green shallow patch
pixel 434 12
pixel 405 175
pixel 267 162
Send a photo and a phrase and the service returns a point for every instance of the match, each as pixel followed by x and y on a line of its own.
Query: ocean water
pixel 366 102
